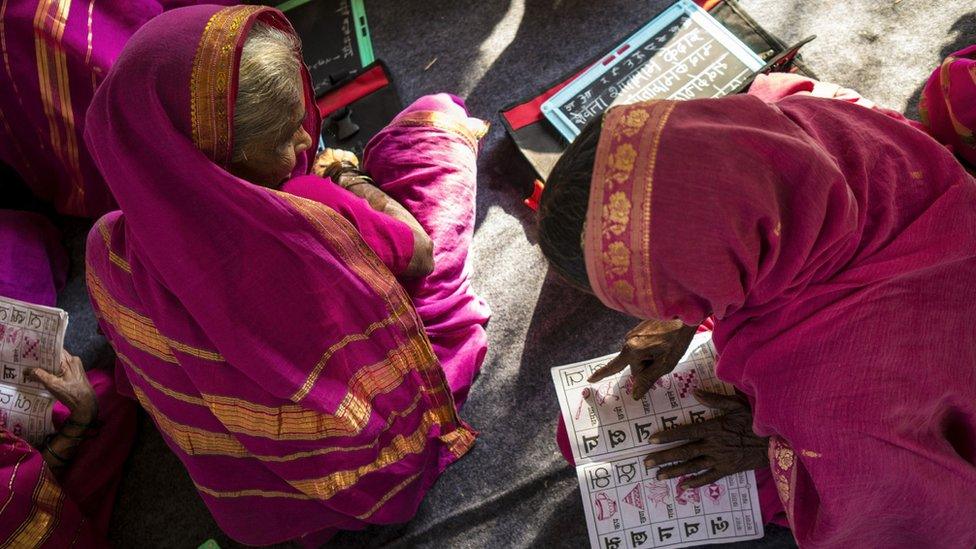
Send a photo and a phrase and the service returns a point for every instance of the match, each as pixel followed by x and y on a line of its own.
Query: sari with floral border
pixel 835 246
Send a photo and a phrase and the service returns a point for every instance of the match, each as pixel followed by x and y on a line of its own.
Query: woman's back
pixel 875 342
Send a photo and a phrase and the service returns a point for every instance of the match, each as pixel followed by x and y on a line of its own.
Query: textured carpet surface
pixel 514 489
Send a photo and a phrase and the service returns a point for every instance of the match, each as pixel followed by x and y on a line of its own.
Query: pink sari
pixel 40 509
pixel 275 351
pixel 948 104
pixel 836 248
pixel 54 56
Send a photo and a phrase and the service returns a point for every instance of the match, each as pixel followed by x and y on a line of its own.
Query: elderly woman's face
pixel 270 164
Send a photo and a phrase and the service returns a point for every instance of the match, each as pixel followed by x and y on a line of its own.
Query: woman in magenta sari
pixel 60 494
pixel 55 54
pixel 835 247
pixel 278 327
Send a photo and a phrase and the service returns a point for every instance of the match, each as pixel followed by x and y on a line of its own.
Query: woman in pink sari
pixel 835 247
pixel 60 494
pixel 275 325
pixel 55 54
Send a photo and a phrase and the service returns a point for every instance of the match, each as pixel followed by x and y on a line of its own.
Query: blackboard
pixel 681 54
pixel 335 38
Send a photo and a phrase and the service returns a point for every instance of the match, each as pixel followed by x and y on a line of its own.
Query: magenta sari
pixel 54 56
pixel 948 104
pixel 836 248
pixel 275 350
pixel 74 508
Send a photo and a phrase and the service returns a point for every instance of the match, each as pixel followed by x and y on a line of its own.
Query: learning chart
pixel 31 336
pixel 626 506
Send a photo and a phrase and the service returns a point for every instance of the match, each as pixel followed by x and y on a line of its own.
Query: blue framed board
pixel 683 53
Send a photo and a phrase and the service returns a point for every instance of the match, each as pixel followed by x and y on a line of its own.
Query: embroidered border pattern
pixel 617 235
pixel 211 78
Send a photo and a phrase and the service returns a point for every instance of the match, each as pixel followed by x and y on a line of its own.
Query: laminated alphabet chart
pixel 683 53
pixel 31 336
pixel 626 506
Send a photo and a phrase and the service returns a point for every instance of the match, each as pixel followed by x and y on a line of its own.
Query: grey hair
pixel 269 88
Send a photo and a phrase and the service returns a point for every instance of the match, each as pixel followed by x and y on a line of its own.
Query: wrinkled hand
pixel 71 387
pixel 719 447
pixel 652 350
pixel 330 156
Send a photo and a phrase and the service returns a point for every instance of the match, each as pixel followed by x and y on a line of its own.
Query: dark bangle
pixel 338 169
pixel 47 446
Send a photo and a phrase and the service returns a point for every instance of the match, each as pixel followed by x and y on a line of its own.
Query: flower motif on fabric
pixel 617 257
pixel 782 460
pixel 623 291
pixel 785 458
pixel 616 213
pixel 622 161
pixel 634 121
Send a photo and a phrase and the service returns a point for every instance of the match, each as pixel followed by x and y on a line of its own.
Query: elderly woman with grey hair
pixel 303 344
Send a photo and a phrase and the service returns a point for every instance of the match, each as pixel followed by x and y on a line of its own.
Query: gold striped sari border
pixel 443 121
pixel 52 74
pixel 88 49
pixel 355 254
pixel 400 447
pixel 115 258
pixel 211 79
pixel 336 347
pixel 646 289
pixel 45 513
pixel 389 495
pixel 139 330
pixel 227 411
pixel 192 440
pixel 326 487
pixel 13 478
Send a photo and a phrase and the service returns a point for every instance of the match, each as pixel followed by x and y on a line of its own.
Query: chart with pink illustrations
pixel 31 336
pixel 625 505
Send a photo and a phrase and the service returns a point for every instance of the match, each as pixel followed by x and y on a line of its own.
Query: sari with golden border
pixel 280 358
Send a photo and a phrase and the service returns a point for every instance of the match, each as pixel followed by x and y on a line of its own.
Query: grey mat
pixel 513 489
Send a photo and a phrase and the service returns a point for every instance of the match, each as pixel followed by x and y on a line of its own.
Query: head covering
pixel 638 258
pixel 948 103
pixel 306 395
pixel 836 248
